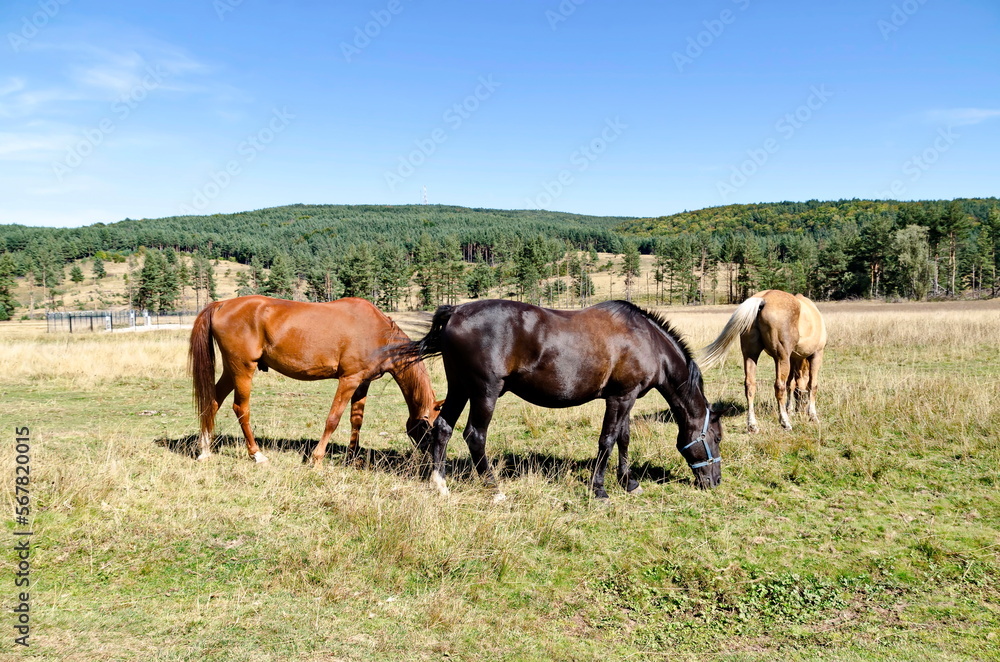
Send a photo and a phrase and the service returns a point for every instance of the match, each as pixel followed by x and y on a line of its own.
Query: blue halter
pixel 703 438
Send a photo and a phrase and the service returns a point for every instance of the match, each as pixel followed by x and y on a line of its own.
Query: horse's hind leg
pixel 346 388
pixel 798 384
pixel 241 406
pixel 222 390
pixel 782 367
pixel 480 415
pixel 357 418
pixel 750 386
pixel 814 363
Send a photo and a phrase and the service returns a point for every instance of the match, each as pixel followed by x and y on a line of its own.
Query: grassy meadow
pixel 874 535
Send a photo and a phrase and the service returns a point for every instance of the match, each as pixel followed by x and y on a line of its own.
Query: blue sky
pixel 111 110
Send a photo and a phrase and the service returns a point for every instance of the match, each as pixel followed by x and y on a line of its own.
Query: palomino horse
pixel 336 340
pixel 614 351
pixel 791 330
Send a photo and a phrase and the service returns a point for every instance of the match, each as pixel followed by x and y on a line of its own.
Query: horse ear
pixel 437 405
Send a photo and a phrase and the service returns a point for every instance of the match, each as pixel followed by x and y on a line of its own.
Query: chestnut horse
pixel 335 340
pixel 792 332
pixel 614 351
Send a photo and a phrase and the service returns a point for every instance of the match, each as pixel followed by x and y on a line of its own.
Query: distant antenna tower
pixel 425 195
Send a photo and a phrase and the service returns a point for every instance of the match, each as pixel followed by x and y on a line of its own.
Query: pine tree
pixel 425 274
pixel 281 281
pixel 480 280
pixel 991 230
pixel 170 287
pixel 452 269
pixel 358 272
pixel 954 224
pixel 630 267
pixel 149 281
pixel 206 278
pixel 76 274
pixel 581 284
pixel 322 283
pixel 184 278
pixel 912 252
pixel 98 268
pixel 8 304
pixel 393 275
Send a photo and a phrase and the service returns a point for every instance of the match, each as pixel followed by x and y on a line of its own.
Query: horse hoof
pixel 259 458
pixel 439 483
pixel 499 497
pixel 753 428
pixel 204 456
pixel 636 492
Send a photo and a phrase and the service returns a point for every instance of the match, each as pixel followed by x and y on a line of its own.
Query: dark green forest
pixel 826 250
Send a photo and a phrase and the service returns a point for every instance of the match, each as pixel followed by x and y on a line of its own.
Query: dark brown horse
pixel 791 331
pixel 614 351
pixel 341 340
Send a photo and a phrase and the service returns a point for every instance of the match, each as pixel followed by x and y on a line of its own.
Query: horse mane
pixel 630 311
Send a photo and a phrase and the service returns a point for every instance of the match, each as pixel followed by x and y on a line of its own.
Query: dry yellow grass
pixel 891 501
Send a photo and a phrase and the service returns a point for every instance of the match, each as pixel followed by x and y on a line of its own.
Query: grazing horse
pixel 335 340
pixel 614 351
pixel 791 331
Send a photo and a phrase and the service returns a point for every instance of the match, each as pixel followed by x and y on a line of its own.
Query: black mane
pixel 630 310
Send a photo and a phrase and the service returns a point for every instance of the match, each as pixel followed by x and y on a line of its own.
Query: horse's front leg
pixel 440 435
pixel 625 479
pixel 357 418
pixel 345 391
pixel 611 429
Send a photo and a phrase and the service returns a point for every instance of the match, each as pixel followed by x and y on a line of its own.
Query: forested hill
pixel 814 217
pixel 827 250
pixel 315 230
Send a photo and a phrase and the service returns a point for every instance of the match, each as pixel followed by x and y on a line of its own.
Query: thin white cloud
pixel 11 85
pixel 31 146
pixel 961 116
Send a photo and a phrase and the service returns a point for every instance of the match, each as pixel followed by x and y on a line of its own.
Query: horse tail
pixel 431 344
pixel 738 324
pixel 201 363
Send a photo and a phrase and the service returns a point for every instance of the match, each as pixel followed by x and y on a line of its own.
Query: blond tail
pixel 738 324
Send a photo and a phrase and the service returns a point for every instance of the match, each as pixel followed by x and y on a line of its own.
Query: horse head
pixel 701 450
pixel 419 427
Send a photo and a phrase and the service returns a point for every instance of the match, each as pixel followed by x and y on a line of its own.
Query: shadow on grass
pixel 509 466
